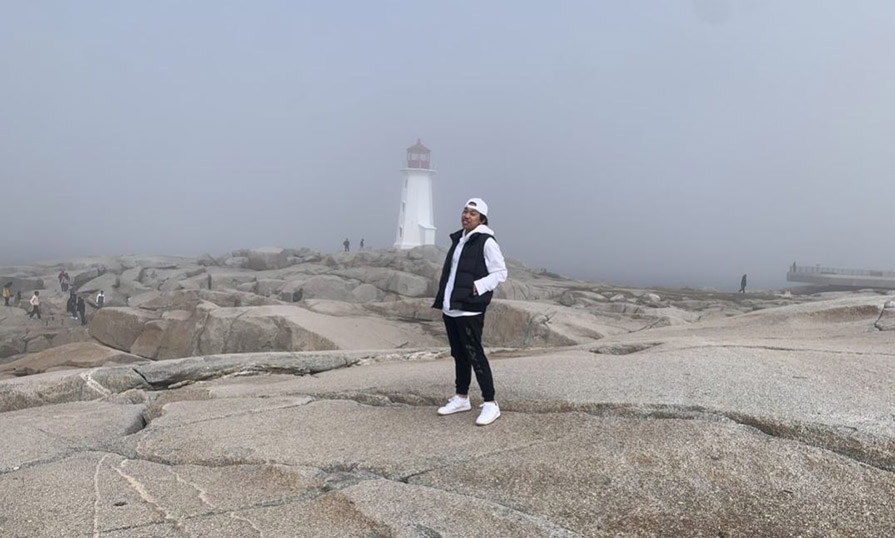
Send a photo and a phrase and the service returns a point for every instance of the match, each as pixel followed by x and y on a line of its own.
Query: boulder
pixel 128 286
pixel 169 279
pixel 269 286
pixel 149 340
pixel 229 280
pixel 192 369
pixel 106 282
pixel 248 287
pixel 618 307
pixel 197 282
pixel 37 343
pixel 408 285
pixel 407 310
pixel 175 300
pixel 391 280
pixel 76 355
pixel 83 276
pixel 170 338
pixel 567 298
pixel 10 347
pixel 24 284
pixel 191 284
pixel 70 336
pixel 206 260
pixel 67 386
pixel 230 298
pixel 509 326
pixel 189 299
pixel 618 297
pixel 517 290
pixel 154 262
pixel 365 293
pixel 132 274
pixel 230 330
pixel 138 300
pixel 267 258
pixel 119 327
pixel 327 287
pixel 305 255
pixel 429 253
pixel 886 319
pixel 236 262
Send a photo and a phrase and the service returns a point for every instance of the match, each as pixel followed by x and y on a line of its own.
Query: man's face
pixel 470 218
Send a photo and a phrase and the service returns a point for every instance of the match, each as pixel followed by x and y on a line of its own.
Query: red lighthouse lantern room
pixel 418 156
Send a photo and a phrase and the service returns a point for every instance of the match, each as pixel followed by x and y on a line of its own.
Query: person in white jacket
pixel 473 268
pixel 35 305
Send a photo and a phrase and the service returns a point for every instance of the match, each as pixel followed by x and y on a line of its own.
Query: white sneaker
pixel 490 413
pixel 455 405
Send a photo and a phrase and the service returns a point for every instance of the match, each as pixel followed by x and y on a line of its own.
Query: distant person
pixel 793 267
pixel 743 284
pixel 346 244
pixel 7 293
pixel 66 282
pixel 18 297
pixel 72 305
pixel 35 305
pixel 60 277
pixel 361 243
pixel 473 268
pixel 82 310
pixel 100 299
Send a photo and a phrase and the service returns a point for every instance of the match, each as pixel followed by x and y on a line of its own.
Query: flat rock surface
pixel 777 422
pixel 45 433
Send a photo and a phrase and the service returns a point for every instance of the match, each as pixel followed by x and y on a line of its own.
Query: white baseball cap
pixel 479 205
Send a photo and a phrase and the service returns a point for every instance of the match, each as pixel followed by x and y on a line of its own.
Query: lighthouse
pixel 416 219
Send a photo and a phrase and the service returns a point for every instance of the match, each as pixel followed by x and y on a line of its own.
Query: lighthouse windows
pixel 403 207
pixel 401 232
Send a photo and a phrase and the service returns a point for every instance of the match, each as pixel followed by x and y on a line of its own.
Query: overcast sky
pixel 679 143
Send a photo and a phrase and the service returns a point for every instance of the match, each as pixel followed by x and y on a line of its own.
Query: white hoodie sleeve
pixel 497 268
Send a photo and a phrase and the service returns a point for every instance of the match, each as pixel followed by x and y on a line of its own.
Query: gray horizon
pixel 675 144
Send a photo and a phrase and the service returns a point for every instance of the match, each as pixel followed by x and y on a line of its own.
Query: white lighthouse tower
pixel 416 220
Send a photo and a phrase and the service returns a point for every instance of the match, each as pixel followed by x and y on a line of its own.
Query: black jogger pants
pixel 465 336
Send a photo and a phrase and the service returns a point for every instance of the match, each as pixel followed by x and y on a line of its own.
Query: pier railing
pixel 821 270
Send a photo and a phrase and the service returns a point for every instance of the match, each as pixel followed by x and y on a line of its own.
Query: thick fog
pixel 657 143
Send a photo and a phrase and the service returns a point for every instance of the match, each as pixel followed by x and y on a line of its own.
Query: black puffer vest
pixel 470 267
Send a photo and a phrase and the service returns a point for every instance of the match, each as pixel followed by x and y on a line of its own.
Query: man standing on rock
pixel 82 310
pixel 743 284
pixel 7 293
pixel 72 305
pixel 473 268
